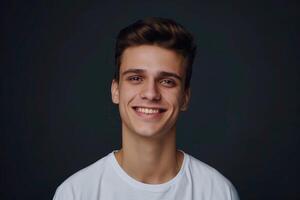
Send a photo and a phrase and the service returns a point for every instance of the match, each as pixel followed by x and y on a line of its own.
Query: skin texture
pixel 152 81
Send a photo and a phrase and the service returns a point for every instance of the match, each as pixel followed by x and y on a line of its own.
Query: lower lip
pixel 151 116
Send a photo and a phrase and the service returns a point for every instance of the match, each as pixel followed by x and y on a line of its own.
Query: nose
pixel 150 91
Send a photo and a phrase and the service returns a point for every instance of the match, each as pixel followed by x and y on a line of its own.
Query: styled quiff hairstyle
pixel 161 32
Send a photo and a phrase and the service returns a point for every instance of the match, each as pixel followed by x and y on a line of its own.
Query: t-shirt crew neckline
pixel 144 186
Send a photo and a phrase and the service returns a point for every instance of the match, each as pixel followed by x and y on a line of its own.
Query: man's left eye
pixel 168 82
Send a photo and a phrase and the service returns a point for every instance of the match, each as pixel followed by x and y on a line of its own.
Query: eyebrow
pixel 170 74
pixel 136 71
pixel 162 73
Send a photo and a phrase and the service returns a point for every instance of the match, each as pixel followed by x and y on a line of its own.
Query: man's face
pixel 150 91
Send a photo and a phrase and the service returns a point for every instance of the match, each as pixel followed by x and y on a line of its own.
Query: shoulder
pixel 199 168
pixel 82 181
pixel 211 179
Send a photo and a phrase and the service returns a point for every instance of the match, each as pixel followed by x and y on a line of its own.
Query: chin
pixel 149 132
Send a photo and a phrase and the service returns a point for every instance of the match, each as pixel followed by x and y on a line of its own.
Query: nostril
pixel 151 95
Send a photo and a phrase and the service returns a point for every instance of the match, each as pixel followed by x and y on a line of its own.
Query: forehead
pixel 152 59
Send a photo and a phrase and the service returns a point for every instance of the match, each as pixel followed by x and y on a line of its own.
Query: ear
pixel 115 92
pixel 186 99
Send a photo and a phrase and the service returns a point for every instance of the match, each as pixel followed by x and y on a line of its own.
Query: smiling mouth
pixel 149 111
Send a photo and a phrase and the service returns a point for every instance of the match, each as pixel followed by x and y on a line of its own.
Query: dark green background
pixel 57 116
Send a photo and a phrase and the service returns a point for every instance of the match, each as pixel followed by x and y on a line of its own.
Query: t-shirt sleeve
pixel 64 192
pixel 233 193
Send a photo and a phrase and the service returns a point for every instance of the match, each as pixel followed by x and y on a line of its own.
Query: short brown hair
pixel 162 32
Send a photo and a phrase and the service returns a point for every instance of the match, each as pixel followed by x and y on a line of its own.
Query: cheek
pixel 127 94
pixel 174 98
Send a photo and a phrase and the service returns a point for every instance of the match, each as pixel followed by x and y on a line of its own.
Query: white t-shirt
pixel 106 180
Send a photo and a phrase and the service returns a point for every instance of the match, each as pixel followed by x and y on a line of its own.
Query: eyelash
pixel 134 78
pixel 169 82
pixel 164 82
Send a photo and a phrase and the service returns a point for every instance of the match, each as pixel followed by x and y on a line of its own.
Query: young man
pixel 151 86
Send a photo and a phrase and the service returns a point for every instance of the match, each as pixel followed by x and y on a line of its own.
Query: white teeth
pixel 147 110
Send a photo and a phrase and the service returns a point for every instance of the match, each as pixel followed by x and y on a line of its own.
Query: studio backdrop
pixel 57 114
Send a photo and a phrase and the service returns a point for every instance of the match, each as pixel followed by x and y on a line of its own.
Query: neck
pixel 152 161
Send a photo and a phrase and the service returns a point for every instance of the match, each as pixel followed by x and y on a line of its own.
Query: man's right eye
pixel 135 79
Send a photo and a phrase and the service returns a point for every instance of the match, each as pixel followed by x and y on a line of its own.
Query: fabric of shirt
pixel 106 180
